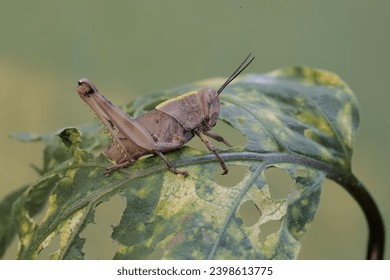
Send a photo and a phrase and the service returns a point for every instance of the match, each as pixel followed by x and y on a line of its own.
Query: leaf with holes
pixel 299 120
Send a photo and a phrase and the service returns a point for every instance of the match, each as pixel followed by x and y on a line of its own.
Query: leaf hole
pixel 249 213
pixel 197 144
pixel 51 249
pixel 157 254
pixel 267 229
pixel 38 201
pixel 39 216
pixel 279 182
pixel 236 175
pixel 229 133
pixel 99 244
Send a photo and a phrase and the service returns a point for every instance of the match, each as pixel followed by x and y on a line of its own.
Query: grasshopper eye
pixel 210 96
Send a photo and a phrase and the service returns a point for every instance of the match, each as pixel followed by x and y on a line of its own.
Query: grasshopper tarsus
pixel 184 172
pixel 107 172
pixel 225 170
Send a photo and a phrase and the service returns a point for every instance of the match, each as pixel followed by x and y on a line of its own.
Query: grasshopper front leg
pixel 210 146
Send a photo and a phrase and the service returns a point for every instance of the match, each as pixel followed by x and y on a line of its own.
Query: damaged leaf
pixel 300 120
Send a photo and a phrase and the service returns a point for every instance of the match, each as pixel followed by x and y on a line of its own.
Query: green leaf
pixel 7 230
pixel 299 120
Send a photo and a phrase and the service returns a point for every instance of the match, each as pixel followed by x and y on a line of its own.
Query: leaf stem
pixel 376 238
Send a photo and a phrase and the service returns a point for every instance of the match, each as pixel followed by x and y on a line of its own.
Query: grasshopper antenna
pixel 236 72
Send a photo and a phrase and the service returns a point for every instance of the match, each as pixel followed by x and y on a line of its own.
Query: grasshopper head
pixel 85 87
pixel 209 99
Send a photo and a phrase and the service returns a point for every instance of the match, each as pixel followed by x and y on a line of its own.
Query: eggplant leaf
pixel 297 119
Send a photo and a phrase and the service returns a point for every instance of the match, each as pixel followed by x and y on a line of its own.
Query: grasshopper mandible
pixel 168 127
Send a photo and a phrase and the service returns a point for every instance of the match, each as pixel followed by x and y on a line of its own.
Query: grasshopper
pixel 166 128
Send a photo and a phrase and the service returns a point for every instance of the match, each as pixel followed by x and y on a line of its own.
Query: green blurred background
pixel 129 48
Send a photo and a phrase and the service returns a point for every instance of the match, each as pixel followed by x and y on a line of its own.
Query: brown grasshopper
pixel 168 127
